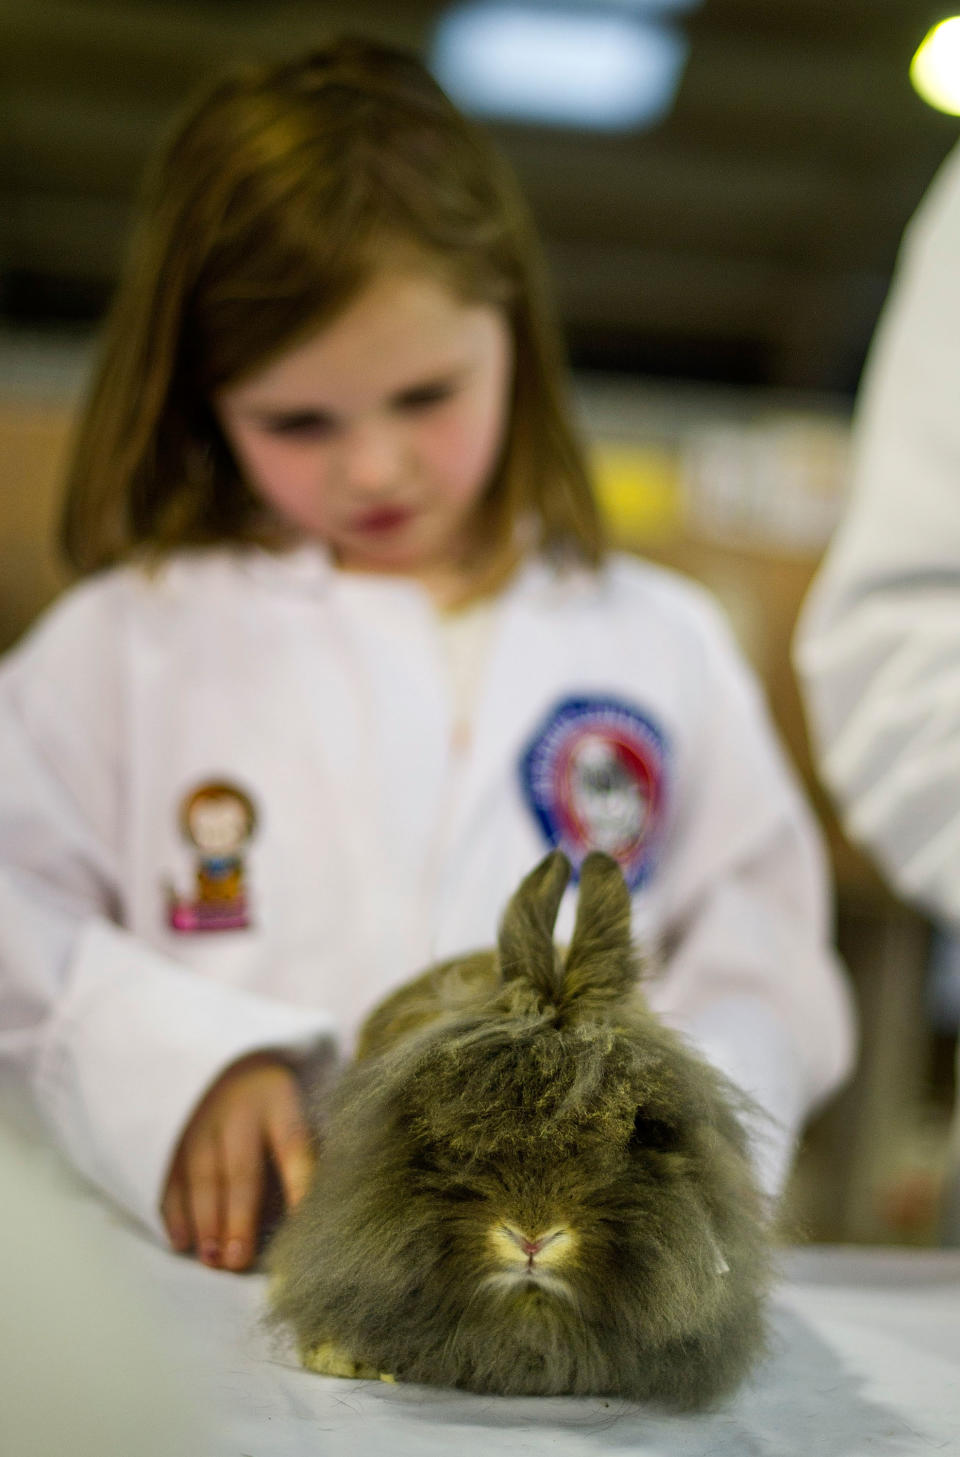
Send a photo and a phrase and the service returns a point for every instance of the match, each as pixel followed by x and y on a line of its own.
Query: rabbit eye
pixel 654 1133
pixel 441 1166
pixel 425 1161
pixel 458 1193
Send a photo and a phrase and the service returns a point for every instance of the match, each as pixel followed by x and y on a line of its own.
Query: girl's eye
pixel 313 427
pixel 422 399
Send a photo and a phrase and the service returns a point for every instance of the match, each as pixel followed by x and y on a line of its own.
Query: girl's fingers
pixel 244 1170
pixel 290 1146
pixel 204 1195
pixel 215 1193
pixel 175 1215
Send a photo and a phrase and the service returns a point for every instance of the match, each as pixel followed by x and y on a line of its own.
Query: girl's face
pixel 379 434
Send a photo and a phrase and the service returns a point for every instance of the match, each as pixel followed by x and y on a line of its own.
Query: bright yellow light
pixel 935 69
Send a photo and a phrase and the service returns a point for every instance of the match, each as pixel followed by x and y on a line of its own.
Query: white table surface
pixel 865 1361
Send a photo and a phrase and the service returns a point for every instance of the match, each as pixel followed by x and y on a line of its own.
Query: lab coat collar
pixel 309 569
pixel 306 569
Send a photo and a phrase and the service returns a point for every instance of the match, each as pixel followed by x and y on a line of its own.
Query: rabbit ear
pixel 526 931
pixel 600 957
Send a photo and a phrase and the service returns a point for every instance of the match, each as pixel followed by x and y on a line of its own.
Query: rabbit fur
pixel 528 1185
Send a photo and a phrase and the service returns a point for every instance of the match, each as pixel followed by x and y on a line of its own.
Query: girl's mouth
pixel 382 521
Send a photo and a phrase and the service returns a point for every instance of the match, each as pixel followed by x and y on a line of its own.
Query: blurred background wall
pixel 719 268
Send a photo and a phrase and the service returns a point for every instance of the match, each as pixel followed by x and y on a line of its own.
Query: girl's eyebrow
pixel 273 414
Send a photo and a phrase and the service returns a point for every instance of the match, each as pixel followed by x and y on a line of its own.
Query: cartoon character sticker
pixel 594 775
pixel 218 819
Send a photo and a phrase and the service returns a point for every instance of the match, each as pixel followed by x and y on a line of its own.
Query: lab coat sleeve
pixel 116 1040
pixel 749 959
pixel 878 646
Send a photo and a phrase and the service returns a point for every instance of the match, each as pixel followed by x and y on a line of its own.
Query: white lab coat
pixel 379 845
pixel 878 645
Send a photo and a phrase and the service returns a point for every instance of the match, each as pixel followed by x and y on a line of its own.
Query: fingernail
pixel 235 1252
pixel 210 1251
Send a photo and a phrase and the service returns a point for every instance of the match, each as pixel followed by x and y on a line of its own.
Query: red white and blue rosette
pixel 594 775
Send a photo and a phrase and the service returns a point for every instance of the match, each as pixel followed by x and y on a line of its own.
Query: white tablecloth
pixel 865 1362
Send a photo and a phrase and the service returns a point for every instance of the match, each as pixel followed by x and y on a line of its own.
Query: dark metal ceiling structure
pixel 748 238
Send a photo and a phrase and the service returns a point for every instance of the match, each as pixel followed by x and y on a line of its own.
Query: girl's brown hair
pixel 274 203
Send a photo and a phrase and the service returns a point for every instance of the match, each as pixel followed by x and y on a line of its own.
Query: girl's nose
pixel 371 457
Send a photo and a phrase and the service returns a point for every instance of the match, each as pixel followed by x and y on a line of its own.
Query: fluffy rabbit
pixel 528 1185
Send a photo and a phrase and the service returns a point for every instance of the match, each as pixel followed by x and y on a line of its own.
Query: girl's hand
pixel 252 1113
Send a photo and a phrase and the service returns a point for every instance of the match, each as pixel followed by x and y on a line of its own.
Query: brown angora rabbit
pixel 528 1185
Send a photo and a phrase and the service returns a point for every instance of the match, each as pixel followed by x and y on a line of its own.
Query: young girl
pixel 348 658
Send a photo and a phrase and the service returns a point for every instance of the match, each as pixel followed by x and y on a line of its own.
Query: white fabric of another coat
pixel 878 646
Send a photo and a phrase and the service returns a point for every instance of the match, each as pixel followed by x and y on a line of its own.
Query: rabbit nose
pixel 531 1247
pixel 555 1244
